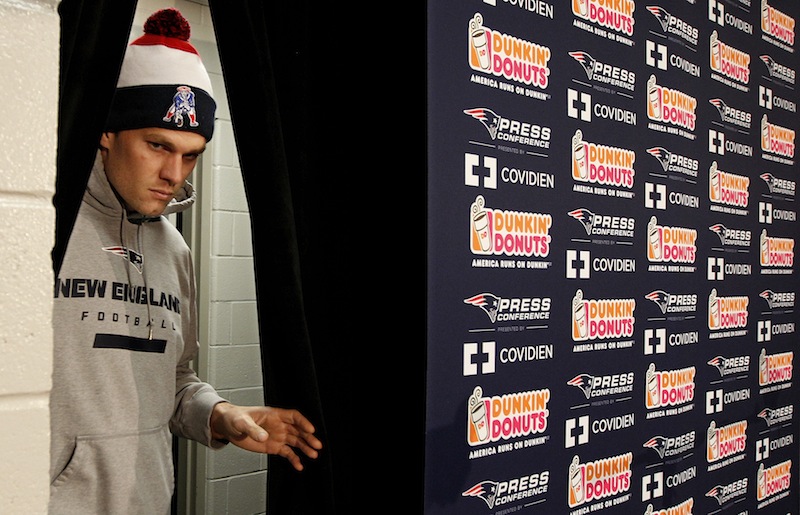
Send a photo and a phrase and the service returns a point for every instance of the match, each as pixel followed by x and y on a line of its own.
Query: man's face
pixel 148 166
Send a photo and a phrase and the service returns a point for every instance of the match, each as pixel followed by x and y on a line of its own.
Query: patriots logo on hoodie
pixel 133 257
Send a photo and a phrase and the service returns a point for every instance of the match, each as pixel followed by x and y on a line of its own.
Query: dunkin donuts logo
pixel 598 479
pixel 728 61
pixel 727 312
pixel 776 139
pixel 727 188
pixel 723 442
pixel 503 417
pixel 667 244
pixel 774 368
pixel 668 387
pixel 594 319
pixel 601 164
pixel 776 24
pixel 773 480
pixel 616 15
pixel 510 233
pixel 670 105
pixel 776 252
pixel 507 56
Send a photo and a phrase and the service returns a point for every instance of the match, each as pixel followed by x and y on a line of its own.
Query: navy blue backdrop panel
pixel 611 279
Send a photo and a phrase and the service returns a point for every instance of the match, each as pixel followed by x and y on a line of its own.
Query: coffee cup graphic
pixel 765 16
pixel 714 183
pixel 479 42
pixel 654 249
pixel 580 7
pixel 761 480
pixel 580 329
pixel 715 53
pixel 764 248
pixel 765 134
pixel 480 229
pixel 712 443
pixel 653 99
pixel 653 400
pixel 579 165
pixel 763 373
pixel 576 492
pixel 713 310
pixel 478 418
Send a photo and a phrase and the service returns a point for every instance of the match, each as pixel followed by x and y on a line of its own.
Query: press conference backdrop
pixel 612 288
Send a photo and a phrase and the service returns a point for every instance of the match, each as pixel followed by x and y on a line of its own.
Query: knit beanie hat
pixel 163 82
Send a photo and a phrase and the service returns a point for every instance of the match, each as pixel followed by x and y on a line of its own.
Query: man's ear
pixel 104 140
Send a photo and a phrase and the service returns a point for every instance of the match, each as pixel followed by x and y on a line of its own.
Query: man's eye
pixel 155 145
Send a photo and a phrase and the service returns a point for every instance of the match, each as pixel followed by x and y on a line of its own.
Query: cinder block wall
pixel 29 39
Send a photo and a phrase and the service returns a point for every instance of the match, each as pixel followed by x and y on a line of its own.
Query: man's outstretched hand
pixel 266 429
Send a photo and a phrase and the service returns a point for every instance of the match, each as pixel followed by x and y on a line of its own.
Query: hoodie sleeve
pixel 194 399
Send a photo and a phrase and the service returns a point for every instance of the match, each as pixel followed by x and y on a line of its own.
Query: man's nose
pixel 172 169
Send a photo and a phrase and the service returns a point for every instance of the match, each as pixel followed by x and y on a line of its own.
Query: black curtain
pixel 266 100
pixel 93 39
pixel 329 117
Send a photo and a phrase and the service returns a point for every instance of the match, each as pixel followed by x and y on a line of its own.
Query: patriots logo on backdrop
pixel 716 493
pixel 661 14
pixel 585 217
pixel 487 117
pixel 718 362
pixel 660 297
pixel 719 104
pixel 769 179
pixel 658 444
pixel 585 60
pixel 487 302
pixel 133 257
pixel 486 490
pixel 767 295
pixel 662 154
pixel 584 382
pixel 719 229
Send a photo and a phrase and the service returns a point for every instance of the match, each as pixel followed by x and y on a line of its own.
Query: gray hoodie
pixel 118 390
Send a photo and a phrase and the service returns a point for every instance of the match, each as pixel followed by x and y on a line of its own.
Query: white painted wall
pixel 29 39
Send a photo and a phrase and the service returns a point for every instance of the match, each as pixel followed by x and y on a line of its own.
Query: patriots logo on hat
pixel 182 104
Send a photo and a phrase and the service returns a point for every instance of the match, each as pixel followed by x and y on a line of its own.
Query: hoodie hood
pixel 102 196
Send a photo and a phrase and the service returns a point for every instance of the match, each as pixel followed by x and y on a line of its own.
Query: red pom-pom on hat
pixel 168 22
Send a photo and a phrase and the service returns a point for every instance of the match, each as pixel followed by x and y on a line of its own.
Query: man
pixel 125 315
